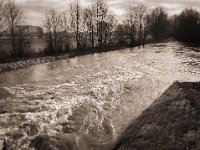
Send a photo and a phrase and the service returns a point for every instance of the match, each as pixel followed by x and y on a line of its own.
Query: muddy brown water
pixel 91 98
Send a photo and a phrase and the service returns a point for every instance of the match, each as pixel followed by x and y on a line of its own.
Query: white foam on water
pixel 98 84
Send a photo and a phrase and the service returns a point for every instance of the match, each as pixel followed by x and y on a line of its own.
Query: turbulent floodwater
pixel 92 97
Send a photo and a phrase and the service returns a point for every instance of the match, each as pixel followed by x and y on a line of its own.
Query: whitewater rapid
pixel 95 95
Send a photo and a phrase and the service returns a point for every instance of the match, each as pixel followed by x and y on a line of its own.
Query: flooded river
pixel 91 98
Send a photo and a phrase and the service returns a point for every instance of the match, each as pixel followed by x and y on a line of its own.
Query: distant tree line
pixel 96 28
pixel 187 26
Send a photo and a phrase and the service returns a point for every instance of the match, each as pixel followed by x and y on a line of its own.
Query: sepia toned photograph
pixel 99 74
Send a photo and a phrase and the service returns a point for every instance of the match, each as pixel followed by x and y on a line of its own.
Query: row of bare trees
pixel 96 26
pixel 91 27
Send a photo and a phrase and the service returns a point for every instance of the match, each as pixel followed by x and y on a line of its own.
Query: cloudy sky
pixel 35 9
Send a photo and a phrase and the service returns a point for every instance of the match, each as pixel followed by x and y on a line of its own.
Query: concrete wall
pixel 171 123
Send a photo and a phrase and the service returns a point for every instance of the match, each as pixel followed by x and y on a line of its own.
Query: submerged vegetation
pixel 94 28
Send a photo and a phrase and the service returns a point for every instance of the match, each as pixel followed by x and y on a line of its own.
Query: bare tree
pixel 101 13
pixel 2 22
pixel 77 22
pixel 141 13
pixel 23 43
pixel 52 25
pixel 64 32
pixel 55 20
pixel 14 19
pixel 109 27
pixel 147 23
pixel 131 17
pixel 2 17
pixel 89 17
pixel 138 23
pixel 48 32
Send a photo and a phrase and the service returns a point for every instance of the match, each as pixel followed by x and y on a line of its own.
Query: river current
pixel 91 97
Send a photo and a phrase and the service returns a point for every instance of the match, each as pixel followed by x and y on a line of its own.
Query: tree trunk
pixel 132 37
pixel 92 37
pixel 140 32
pixel 77 27
pixel 51 43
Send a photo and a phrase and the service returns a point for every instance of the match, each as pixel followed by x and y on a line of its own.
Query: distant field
pixel 37 45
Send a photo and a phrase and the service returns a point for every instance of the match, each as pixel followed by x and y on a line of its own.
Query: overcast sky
pixel 35 9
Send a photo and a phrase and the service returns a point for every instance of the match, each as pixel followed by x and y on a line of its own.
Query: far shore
pixel 20 63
